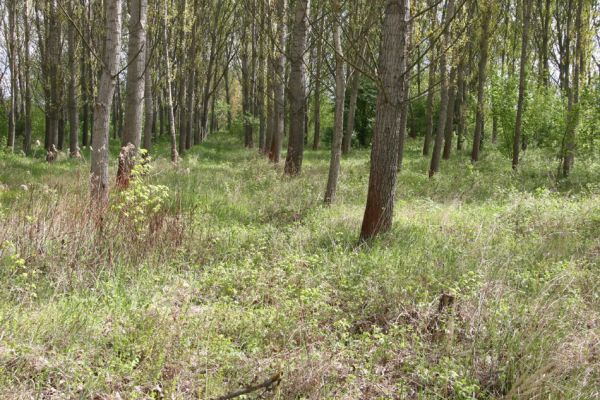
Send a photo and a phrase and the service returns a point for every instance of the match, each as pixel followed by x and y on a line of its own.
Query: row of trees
pixel 180 60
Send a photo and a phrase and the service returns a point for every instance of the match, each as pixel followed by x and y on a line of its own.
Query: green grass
pixel 244 273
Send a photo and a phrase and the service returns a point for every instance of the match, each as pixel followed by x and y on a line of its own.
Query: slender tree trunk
pixel 297 89
pixel 379 210
pixel 449 132
pixel 26 67
pixel 136 61
pixel 434 167
pixel 260 88
pixel 149 112
pixel 12 60
pixel 112 44
pixel 340 95
pixel 318 68
pixel 168 90
pixel 73 111
pixel 522 83
pixel 354 87
pixel 568 151
pixel 279 84
pixel 405 93
pixel 246 94
pixel 431 84
pixel 482 76
pixel 228 98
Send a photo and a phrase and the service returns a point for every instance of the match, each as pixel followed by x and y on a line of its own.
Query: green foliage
pixel 141 202
pixel 365 112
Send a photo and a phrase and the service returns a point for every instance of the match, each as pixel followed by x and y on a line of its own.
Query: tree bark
pixel 482 76
pixel 136 61
pixel 72 101
pixel 522 83
pixel 12 60
pixel 26 71
pixel 297 89
pixel 112 44
pixel 434 166
pixel 168 89
pixel 279 84
pixel 384 152
pixel 340 95
pixel 318 68
pixel 449 131
pixel 149 111
pixel 568 150
pixel 431 84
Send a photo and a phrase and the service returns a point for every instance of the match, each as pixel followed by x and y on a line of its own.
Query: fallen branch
pixel 269 384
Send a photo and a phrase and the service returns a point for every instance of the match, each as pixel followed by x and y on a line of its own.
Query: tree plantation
pixel 299 199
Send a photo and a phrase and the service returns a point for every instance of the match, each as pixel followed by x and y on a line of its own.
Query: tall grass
pixel 487 286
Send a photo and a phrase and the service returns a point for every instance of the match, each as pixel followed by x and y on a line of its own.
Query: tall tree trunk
pixel 318 68
pixel 54 56
pixel 228 97
pixel 136 61
pixel 405 94
pixel 279 83
pixel 340 95
pixel 449 132
pixel 246 94
pixel 149 112
pixel 434 167
pixel 26 68
pixel 351 118
pixel 112 44
pixel 72 95
pixel 431 84
pixel 522 83
pixel 168 89
pixel 568 150
pixel 379 210
pixel 482 76
pixel 12 59
pixel 297 89
pixel 260 88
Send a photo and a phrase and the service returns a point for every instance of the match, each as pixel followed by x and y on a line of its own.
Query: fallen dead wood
pixel 268 385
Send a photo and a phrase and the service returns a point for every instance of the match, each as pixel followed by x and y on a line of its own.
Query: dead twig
pixel 269 384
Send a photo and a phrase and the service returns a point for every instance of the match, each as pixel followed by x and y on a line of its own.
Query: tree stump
pixel 126 163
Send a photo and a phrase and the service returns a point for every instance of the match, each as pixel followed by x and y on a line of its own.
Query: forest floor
pixel 487 287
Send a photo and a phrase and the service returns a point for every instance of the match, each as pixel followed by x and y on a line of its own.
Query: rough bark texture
pixel 297 89
pixel 384 153
pixel 112 43
pixel 136 59
pixel 340 94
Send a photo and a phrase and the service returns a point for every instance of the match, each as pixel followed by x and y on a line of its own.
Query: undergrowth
pixel 220 272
